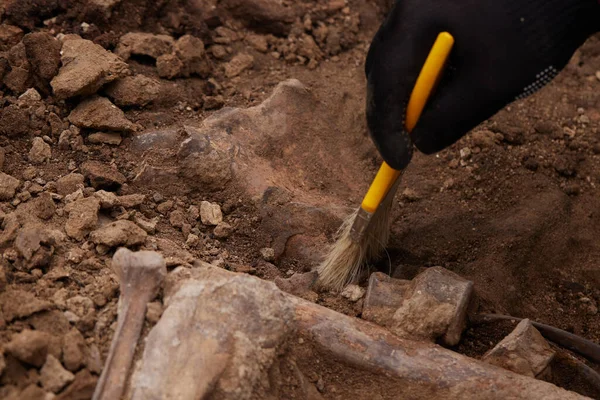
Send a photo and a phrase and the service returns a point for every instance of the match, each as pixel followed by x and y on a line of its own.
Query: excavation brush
pixel 365 234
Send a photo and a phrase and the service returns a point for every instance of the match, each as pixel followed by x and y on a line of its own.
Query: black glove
pixel 504 50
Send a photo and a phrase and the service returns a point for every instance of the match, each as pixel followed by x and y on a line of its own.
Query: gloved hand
pixel 504 50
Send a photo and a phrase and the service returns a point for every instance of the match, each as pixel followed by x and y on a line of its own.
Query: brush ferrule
pixel 360 225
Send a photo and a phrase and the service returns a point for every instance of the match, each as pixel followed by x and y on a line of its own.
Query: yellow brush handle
pixel 424 86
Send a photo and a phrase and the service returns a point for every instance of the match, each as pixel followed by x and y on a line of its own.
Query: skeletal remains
pixel 216 321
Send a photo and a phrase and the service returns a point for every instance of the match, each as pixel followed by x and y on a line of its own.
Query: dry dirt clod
pixel 83 217
pixel 137 90
pixel 74 350
pixel 82 387
pixel 169 66
pixel 524 351
pixel 86 67
pixel 21 304
pixel 190 50
pixel 113 139
pixel 30 96
pixel 102 176
pixel 238 64
pixel 69 183
pixel 222 230
pixel 100 114
pixel 119 233
pixel 144 44
pixel 210 213
pixel 40 151
pixel 8 186
pixel 43 52
pixel 30 347
pixel 53 376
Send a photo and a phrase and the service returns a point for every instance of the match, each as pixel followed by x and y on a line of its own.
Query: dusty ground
pixel 513 207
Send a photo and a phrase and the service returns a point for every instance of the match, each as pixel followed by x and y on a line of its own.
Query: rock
pixel 119 233
pixel 14 121
pixel 20 304
pixel 86 67
pixel 267 254
pixel 44 206
pixel 53 376
pixel 524 351
pixel 190 50
pixel 105 138
pixel 238 64
pixel 222 230
pixel 83 217
pixel 100 114
pixel 384 296
pixel 107 199
pixel 29 242
pixel 434 306
pixel 231 327
pixel 169 66
pixel 8 186
pixel 210 213
pixel 74 350
pixel 177 218
pixel 102 176
pixel 30 347
pixel 144 44
pixel 131 200
pixel 259 42
pixel 194 213
pixel 10 35
pixel 165 207
pixel 82 387
pixel 40 151
pixel 30 96
pixel 353 293
pixel 69 183
pixel 137 90
pixel 2 157
pixel 147 225
pixel 43 52
pixel 70 139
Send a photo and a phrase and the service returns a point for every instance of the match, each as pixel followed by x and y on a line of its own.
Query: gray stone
pixel 435 306
pixel 524 351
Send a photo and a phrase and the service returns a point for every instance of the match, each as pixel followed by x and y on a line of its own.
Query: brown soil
pixel 516 212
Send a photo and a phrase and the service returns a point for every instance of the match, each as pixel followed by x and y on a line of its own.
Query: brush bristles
pixel 345 259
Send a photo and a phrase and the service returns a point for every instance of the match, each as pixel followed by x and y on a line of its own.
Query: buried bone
pixel 140 274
